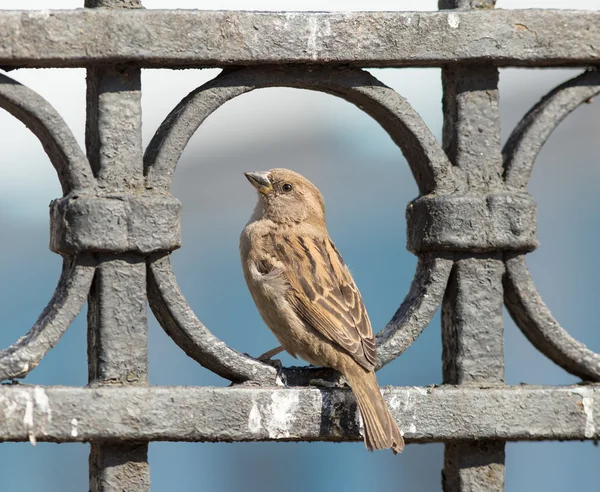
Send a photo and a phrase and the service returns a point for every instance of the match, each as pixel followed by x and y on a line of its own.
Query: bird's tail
pixel 381 430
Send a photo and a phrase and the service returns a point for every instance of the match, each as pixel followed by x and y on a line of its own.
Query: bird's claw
pixel 266 357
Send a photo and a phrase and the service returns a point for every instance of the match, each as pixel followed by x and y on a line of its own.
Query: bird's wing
pixel 324 295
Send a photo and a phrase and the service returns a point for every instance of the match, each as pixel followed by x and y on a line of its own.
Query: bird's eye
pixel 287 187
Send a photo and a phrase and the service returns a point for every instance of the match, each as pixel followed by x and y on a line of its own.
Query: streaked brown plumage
pixel 306 294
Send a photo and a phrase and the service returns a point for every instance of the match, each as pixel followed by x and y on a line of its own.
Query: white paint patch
pixel 410 406
pixel 40 14
pixel 408 402
pixel 42 402
pixel 587 401
pixel 254 419
pixel 74 423
pixel 281 413
pixel 28 418
pixel 316 28
pixel 361 425
pixel 11 406
pixel 453 20
pixel 394 402
pixel 422 391
pixel 326 27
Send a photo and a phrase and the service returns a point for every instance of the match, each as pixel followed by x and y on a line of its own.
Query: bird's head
pixel 286 197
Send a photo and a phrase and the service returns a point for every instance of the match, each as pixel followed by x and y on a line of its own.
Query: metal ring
pixel 521 297
pixel 429 165
pixel 179 321
pixel 536 322
pixel 427 160
pixel 73 169
pixel 531 133
pixel 414 314
pixel 75 174
pixel 71 293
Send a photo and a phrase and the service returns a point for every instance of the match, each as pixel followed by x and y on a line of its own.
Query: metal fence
pixel 471 228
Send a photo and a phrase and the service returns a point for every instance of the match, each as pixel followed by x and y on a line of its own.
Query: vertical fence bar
pixel 117 322
pixel 472 321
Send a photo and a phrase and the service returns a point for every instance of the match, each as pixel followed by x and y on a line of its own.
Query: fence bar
pixel 252 413
pixel 117 323
pixel 187 38
pixel 472 321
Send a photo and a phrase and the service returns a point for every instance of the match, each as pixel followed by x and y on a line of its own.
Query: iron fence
pixel 471 227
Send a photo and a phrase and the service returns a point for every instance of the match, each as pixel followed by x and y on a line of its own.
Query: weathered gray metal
pixel 117 320
pixel 470 227
pixel 251 413
pixel 183 38
pixel 472 321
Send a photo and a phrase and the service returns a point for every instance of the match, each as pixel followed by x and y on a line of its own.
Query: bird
pixel 306 295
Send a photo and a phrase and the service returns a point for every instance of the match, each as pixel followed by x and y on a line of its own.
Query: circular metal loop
pixel 429 165
pixel 522 298
pixel 535 320
pixel 73 169
pixel 74 174
pixel 531 133
pixel 414 314
pixel 71 293
pixel 179 321
pixel 428 162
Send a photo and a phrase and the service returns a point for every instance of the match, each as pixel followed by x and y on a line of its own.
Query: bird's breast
pixel 269 287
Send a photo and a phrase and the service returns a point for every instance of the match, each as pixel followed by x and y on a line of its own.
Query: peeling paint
pixel 11 406
pixel 42 402
pixel 281 413
pixel 316 29
pixel 40 14
pixel 254 419
pixel 587 402
pixel 311 44
pixel 422 391
pixel 28 418
pixel 74 423
pixel 360 424
pixel 394 402
pixel 453 20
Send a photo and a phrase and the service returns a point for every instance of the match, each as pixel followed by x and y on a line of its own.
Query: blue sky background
pixel 337 147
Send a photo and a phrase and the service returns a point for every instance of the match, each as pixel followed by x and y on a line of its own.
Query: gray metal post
pixel 117 322
pixel 472 322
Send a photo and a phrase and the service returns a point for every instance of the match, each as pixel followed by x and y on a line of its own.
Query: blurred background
pixel 334 144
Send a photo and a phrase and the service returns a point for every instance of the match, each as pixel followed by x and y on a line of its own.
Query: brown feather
pixel 327 299
pixel 381 430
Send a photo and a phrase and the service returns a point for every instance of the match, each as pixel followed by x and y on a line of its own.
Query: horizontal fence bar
pixel 445 413
pixel 162 38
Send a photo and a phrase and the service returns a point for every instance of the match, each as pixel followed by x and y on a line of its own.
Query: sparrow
pixel 306 295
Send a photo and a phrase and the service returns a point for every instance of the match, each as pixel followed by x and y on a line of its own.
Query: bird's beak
pixel 260 180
